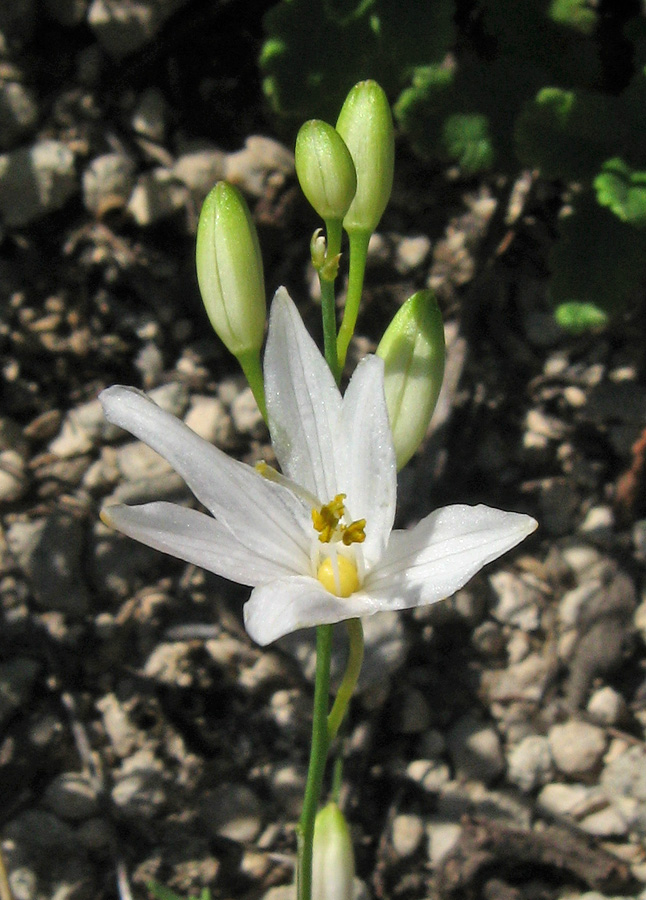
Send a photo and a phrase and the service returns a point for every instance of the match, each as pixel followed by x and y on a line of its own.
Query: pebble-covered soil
pixel 496 748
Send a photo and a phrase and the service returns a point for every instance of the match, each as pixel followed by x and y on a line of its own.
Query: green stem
pixel 350 678
pixel 358 254
pixel 251 366
pixel 318 756
pixel 334 232
pixel 337 776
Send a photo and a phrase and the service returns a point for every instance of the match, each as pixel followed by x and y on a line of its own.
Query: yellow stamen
pixel 326 520
pixel 344 581
pixel 354 533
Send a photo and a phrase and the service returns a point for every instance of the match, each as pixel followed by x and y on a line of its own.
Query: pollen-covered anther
pixel 354 533
pixel 326 519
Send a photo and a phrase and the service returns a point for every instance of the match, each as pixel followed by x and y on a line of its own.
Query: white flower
pixel 315 543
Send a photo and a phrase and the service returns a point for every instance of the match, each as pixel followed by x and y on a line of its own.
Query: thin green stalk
pixel 318 757
pixel 252 368
pixel 337 776
pixel 333 228
pixel 350 678
pixel 358 254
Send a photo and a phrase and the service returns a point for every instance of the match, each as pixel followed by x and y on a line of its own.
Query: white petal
pixel 303 401
pixel 283 606
pixel 366 457
pixel 442 553
pixel 264 516
pixel 194 537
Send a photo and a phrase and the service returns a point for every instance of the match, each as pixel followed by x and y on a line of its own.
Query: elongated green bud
pixel 366 125
pixel 333 858
pixel 229 270
pixel 325 169
pixel 413 352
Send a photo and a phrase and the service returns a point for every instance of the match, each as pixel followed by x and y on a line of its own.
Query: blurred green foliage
pixel 554 85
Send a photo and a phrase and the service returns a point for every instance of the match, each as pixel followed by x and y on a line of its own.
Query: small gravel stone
pixel 442 838
pixel 71 795
pixel 525 680
pixel 170 663
pixel 262 161
pixel 577 747
pixel 475 749
pixel 139 786
pixel 607 706
pixel 123 26
pixel 137 461
pixel 411 253
pixel 157 195
pixel 18 113
pixel 199 170
pixel 288 786
pixel 407 834
pixel 232 811
pixel 208 417
pixel 624 781
pixel 149 116
pixel 247 418
pixel 599 525
pixel 561 799
pixel 81 430
pixel 517 601
pixel 51 553
pixel 108 182
pixel 639 539
pixel 23 883
pixel 429 773
pixel 35 181
pixel 530 763
pixel 121 732
pixel 14 478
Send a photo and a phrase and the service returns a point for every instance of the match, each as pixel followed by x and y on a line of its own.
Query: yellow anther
pixel 355 533
pixel 342 582
pixel 326 520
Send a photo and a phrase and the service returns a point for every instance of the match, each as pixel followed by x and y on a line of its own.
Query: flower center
pixel 327 521
pixel 338 575
pixel 336 571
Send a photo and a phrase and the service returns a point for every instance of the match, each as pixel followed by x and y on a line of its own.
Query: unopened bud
pixel 365 123
pixel 413 352
pixel 229 270
pixel 333 858
pixel 325 169
pixel 318 249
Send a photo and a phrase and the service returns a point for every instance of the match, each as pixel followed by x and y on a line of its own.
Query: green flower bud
pixel 229 270
pixel 325 169
pixel 366 125
pixel 333 858
pixel 413 352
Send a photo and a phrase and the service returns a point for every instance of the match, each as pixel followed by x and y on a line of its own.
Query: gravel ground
pixel 496 747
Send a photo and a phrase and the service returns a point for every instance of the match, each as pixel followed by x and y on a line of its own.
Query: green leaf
pixel 566 134
pixel 316 51
pixel 578 14
pixel 467 139
pixel 161 892
pixel 598 260
pixel 622 191
pixel 580 317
